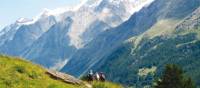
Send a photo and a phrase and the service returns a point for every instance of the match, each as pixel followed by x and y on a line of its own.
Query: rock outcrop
pixel 64 77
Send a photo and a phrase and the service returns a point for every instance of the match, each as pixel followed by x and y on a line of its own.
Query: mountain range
pixel 130 40
pixel 51 38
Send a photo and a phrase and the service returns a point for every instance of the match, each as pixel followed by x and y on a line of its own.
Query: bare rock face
pixel 64 77
pixel 190 22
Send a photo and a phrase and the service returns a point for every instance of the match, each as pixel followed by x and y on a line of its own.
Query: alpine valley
pixel 131 41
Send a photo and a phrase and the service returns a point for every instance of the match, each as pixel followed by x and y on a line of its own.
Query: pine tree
pixel 189 83
pixel 173 77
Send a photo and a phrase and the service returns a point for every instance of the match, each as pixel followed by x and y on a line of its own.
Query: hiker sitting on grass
pixel 90 76
pixel 98 76
pixel 102 76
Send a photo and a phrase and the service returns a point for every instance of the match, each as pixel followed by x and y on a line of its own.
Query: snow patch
pixel 59 64
pixel 139 4
pixel 23 20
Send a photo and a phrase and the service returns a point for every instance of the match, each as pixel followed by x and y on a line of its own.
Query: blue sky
pixel 11 10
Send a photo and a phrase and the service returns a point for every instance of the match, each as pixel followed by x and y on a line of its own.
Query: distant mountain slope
pixel 166 42
pixel 52 49
pixel 160 14
pixel 17 73
pixel 20 35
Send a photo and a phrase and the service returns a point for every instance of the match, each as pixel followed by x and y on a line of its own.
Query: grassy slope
pixel 17 73
pixel 96 84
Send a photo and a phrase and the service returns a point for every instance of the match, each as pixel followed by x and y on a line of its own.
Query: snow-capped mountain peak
pixel 47 12
pixel 91 3
pixel 110 12
pixel 23 20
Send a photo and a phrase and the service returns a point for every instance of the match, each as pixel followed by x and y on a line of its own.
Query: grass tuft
pixel 97 84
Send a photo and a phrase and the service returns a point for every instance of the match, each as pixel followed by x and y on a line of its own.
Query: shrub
pixel 84 78
pixel 20 69
pixel 33 75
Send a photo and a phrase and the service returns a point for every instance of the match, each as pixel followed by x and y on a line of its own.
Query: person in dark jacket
pixel 102 76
